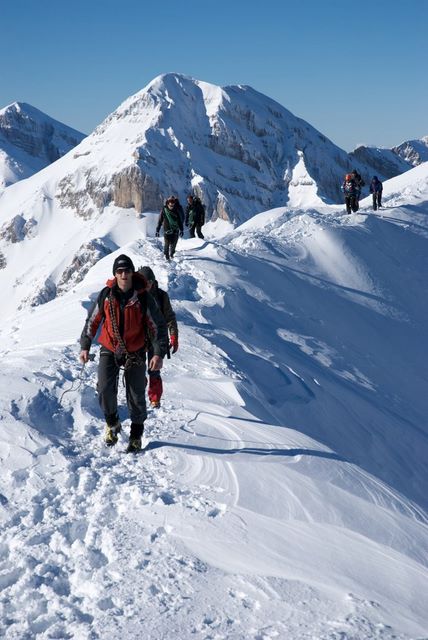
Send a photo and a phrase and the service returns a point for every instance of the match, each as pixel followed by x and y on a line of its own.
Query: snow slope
pixel 283 490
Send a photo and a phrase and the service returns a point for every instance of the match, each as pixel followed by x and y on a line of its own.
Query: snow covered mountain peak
pixel 233 146
pixel 236 148
pixel 30 140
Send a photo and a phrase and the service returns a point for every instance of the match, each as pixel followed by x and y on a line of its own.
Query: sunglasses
pixel 123 270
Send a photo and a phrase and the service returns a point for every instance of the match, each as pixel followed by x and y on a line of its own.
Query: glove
pixel 181 234
pixel 157 234
pixel 173 343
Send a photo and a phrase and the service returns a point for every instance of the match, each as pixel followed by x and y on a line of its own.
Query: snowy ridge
pixel 282 491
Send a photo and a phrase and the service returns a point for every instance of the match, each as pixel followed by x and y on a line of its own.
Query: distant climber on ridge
pixel 171 220
pixel 350 190
pixel 376 188
pixel 195 216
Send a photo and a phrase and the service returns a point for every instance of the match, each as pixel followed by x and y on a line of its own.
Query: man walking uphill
pixel 195 216
pixel 172 222
pixel 376 188
pixel 128 318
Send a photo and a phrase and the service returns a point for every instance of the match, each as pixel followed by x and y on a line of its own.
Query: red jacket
pixel 136 324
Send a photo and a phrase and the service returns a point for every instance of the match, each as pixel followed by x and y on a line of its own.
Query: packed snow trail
pixel 249 515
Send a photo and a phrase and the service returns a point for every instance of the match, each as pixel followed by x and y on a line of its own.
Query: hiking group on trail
pixel 137 325
pixel 352 186
pixel 132 328
pixel 172 219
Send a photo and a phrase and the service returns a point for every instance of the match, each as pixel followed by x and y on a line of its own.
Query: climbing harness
pixel 121 353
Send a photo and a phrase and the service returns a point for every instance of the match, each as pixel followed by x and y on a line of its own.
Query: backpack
pixel 349 187
pixel 172 218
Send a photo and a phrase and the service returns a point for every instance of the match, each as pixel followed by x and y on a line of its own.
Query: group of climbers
pixel 172 218
pixel 352 186
pixel 136 323
pixel 137 327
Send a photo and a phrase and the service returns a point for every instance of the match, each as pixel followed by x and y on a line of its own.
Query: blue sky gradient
pixel 358 71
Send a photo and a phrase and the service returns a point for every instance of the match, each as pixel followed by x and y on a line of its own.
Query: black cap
pixel 123 262
pixel 147 273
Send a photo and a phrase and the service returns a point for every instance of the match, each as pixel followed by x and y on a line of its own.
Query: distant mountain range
pixel 30 140
pixel 241 151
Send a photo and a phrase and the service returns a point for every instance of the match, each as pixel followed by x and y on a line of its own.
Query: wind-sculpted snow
pixel 282 490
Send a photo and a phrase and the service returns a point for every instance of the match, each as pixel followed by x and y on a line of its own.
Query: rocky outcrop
pixel 85 258
pixel 17 229
pixel 381 162
pixel 42 294
pixel 135 188
pixel 414 152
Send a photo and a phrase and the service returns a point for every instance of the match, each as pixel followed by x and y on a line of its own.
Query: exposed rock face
pixel 381 162
pixel 388 163
pixel 17 229
pixel 413 151
pixel 85 258
pixel 134 188
pixel 42 293
pixel 90 198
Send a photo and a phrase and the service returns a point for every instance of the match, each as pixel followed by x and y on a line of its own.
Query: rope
pixel 131 359
pixel 79 381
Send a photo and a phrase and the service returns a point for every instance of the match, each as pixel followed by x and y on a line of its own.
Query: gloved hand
pixel 157 234
pixel 173 343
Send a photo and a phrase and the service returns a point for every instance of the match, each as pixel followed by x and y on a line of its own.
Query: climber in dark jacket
pixel 351 192
pixel 376 188
pixel 171 219
pixel 195 216
pixel 359 182
pixel 162 298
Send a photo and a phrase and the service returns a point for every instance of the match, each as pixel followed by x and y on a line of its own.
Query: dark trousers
pixel 351 203
pixel 170 242
pixel 198 228
pixel 135 382
pixel 377 200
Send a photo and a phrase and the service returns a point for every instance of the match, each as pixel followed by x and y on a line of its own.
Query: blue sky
pixel 355 71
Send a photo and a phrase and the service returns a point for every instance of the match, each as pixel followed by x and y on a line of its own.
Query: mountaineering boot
pixel 134 445
pixel 111 434
pixel 155 404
